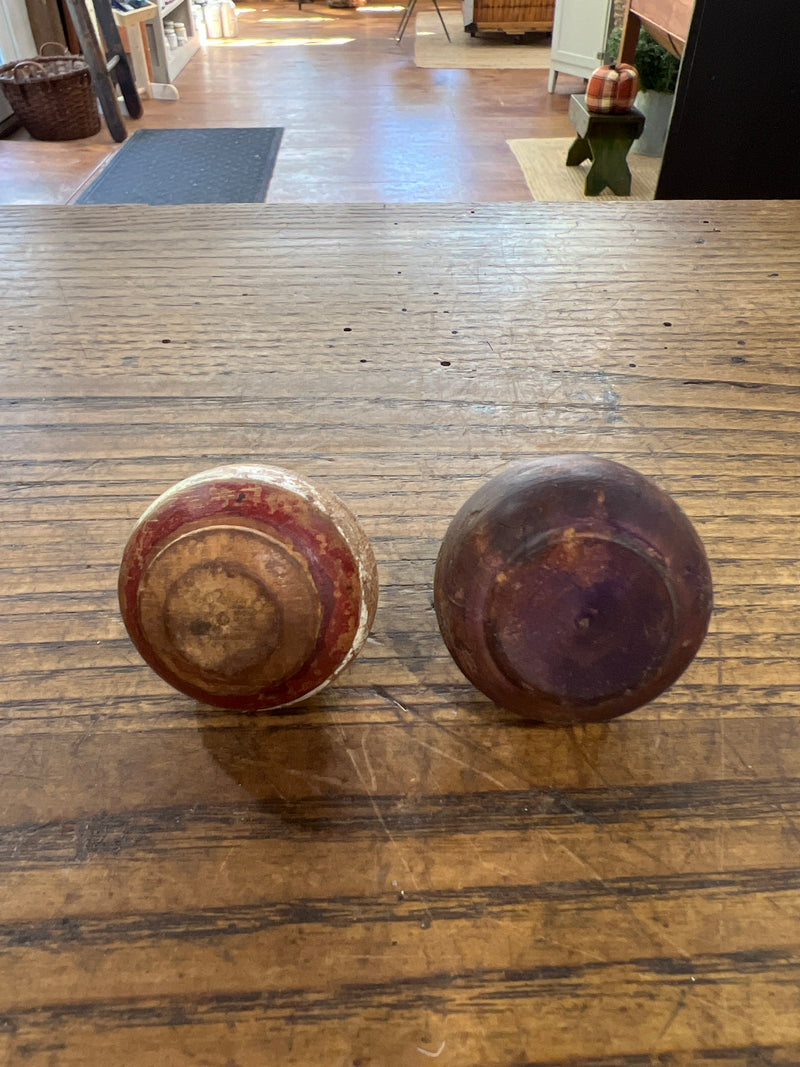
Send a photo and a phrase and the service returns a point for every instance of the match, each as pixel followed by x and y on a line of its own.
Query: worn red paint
pixel 314 527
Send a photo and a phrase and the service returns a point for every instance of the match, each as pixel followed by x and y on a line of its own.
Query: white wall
pixel 16 39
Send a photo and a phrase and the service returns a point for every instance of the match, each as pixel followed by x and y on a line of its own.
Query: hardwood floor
pixel 362 123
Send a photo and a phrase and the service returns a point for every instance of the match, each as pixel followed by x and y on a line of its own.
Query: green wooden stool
pixel 605 139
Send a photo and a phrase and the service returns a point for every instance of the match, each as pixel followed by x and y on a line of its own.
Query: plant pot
pixel 657 111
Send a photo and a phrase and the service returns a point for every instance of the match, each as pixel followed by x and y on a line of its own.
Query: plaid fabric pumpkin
pixel 612 89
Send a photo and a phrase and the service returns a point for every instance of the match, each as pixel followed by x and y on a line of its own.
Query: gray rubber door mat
pixel 195 166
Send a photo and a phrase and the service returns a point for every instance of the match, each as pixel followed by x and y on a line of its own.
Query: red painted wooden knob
pixel 572 589
pixel 246 587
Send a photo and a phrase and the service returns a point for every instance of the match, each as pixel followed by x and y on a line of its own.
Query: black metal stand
pixel 406 18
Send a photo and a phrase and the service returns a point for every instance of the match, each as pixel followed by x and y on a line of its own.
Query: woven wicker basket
pixel 519 14
pixel 52 96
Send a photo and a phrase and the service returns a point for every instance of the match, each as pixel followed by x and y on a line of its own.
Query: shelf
pixel 130 18
pixel 168 6
pixel 177 58
pixel 166 62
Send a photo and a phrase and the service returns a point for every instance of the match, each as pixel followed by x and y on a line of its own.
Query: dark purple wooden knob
pixel 572 589
pixel 246 587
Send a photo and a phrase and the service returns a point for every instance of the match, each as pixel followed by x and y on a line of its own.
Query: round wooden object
pixel 572 589
pixel 246 587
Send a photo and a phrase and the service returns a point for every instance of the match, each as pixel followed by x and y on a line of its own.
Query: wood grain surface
pixel 398 872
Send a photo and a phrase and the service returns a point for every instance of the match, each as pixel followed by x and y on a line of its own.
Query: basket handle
pixel 63 50
pixel 20 68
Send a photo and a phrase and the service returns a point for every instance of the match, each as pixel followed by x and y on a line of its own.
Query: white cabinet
pixel 580 33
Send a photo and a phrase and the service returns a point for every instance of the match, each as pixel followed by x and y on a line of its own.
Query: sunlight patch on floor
pixel 276 42
pixel 300 18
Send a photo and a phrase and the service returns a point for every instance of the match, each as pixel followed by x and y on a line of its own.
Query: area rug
pixel 189 166
pixel 462 52
pixel 543 162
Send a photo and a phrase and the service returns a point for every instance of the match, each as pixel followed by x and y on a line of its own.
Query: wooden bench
pixel 605 139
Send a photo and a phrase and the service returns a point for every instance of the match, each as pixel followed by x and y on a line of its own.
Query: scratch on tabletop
pixel 377 811
pixel 260 764
pixel 713 1003
pixel 579 750
pixel 656 857
pixel 465 741
pixel 547 940
pixel 384 694
pixel 311 777
pixel 367 762
pixel 433 1055
pixel 461 763
pixel 730 747
pixel 228 855
pixel 471 843
pixel 790 823
pixel 381 691
pixel 679 1006
pixel 624 904
pixel 81 740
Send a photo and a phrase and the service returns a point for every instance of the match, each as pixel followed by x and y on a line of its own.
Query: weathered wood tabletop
pixel 398 872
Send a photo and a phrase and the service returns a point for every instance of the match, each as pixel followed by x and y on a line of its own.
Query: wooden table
pixel 399 872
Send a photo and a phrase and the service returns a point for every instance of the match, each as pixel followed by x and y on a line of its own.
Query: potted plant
pixel 658 76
